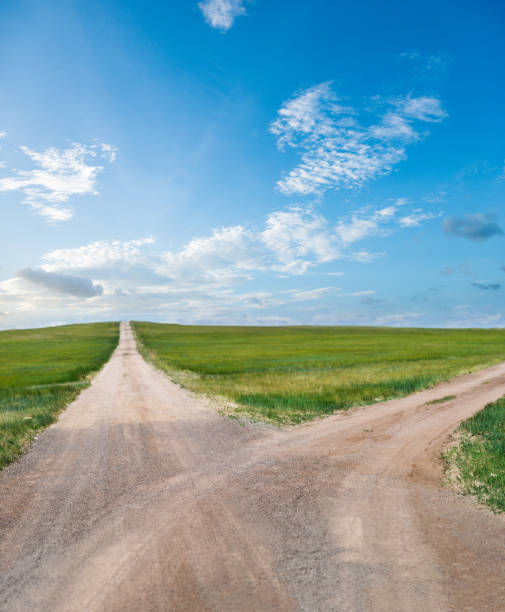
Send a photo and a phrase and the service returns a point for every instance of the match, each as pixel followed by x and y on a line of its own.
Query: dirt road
pixel 143 498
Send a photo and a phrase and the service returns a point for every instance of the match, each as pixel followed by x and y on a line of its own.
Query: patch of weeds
pixel 478 458
pixel 441 400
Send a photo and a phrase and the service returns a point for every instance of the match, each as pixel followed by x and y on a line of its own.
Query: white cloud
pixel 308 113
pixel 394 126
pixel 356 229
pixel 423 108
pixel 416 218
pixel 316 294
pixel 221 14
pixel 108 151
pixel 312 294
pixel 367 223
pixel 227 256
pixel 291 242
pixel 57 176
pixel 96 255
pixel 336 150
pixel 365 256
pixel 299 237
pixel 204 280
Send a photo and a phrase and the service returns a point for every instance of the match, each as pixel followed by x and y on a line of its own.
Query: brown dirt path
pixel 142 498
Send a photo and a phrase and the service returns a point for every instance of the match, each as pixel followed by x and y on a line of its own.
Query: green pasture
pixel 292 374
pixel 41 371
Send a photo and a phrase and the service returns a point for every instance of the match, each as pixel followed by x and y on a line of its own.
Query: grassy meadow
pixel 292 374
pixel 479 455
pixel 41 371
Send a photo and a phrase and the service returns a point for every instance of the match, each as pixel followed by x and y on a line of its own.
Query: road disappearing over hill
pixel 142 497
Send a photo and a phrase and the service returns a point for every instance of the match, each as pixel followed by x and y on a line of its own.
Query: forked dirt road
pixel 143 498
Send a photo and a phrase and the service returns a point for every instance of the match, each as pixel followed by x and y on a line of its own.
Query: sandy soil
pixel 143 498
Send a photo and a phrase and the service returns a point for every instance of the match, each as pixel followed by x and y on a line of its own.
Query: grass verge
pixel 477 461
pixel 289 375
pixel 41 371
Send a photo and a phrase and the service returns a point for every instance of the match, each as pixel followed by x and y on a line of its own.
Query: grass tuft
pixel 441 400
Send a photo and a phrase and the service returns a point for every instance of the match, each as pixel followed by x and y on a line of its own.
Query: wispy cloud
pixel 429 65
pixel 312 294
pixel 62 283
pixel 221 14
pixel 57 176
pixel 417 217
pixel 477 227
pixel 435 198
pixel 365 224
pixel 423 108
pixel 337 151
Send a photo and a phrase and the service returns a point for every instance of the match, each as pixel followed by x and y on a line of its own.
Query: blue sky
pixel 240 162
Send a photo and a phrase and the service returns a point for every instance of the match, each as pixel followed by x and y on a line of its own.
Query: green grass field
pixel 292 374
pixel 41 371
pixel 480 455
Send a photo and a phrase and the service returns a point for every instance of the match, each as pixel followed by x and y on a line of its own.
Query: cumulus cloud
pixel 227 256
pixel 96 255
pixel 486 286
pixel 477 227
pixel 298 237
pixel 221 14
pixel 337 150
pixel 62 283
pixel 290 242
pixel 57 176
pixel 204 279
